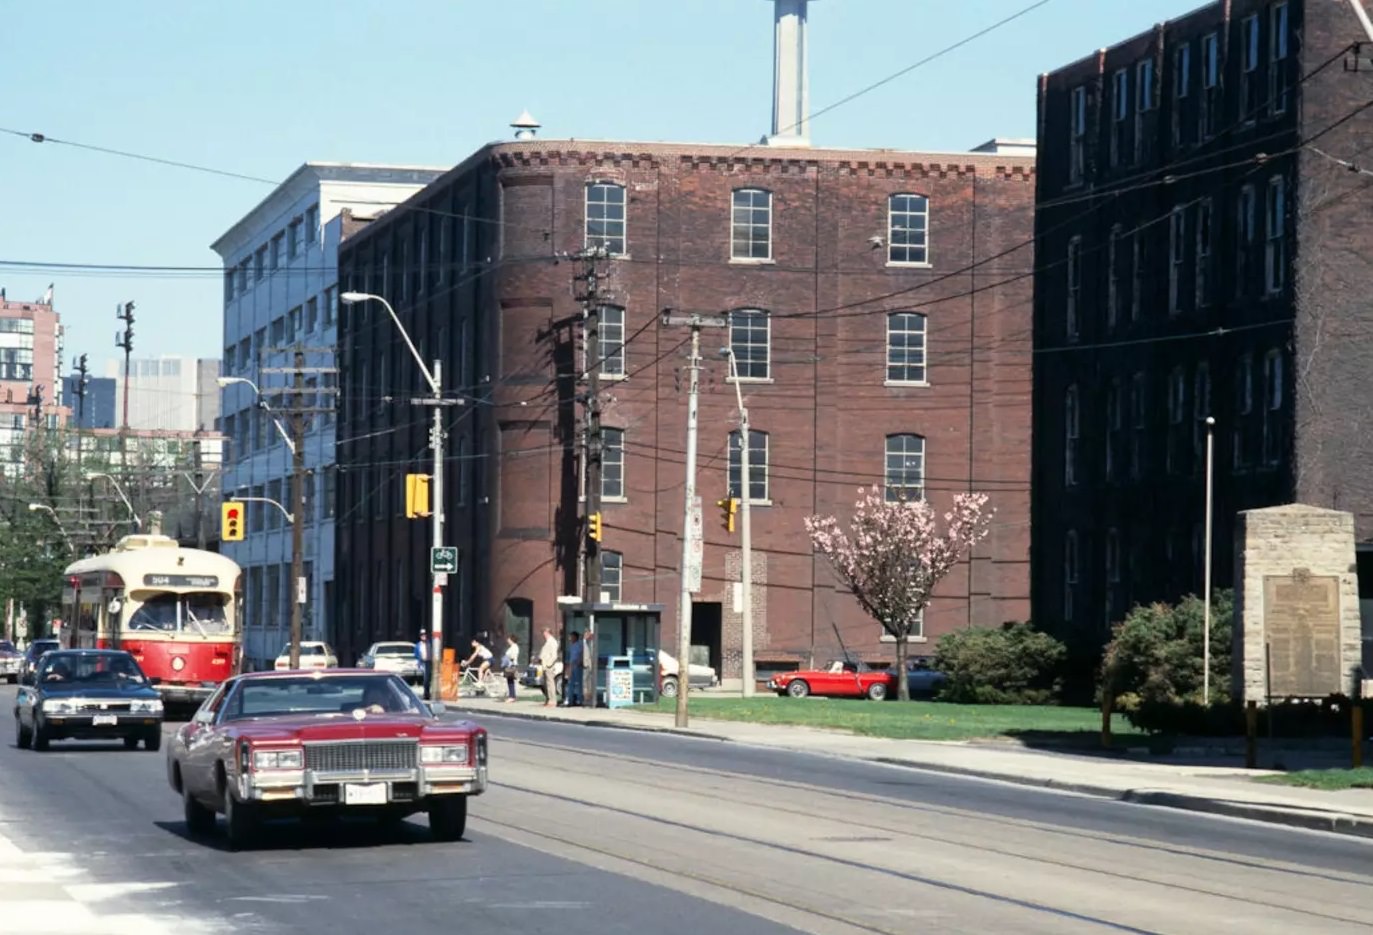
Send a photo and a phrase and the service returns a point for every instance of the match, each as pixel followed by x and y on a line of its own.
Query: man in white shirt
pixel 548 660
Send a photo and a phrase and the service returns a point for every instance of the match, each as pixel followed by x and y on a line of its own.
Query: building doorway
pixel 706 645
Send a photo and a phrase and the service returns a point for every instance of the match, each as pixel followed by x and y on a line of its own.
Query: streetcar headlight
pixel 278 759
pixel 435 755
pixel 146 706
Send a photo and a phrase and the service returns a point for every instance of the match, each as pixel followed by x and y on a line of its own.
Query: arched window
pixel 908 229
pixel 605 216
pixel 905 468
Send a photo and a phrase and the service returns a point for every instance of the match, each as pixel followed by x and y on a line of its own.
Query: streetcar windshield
pixel 199 612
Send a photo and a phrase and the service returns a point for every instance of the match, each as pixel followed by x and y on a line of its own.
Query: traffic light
pixel 593 524
pixel 231 522
pixel 728 507
pixel 416 495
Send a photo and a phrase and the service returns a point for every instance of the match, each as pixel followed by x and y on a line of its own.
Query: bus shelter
pixel 619 635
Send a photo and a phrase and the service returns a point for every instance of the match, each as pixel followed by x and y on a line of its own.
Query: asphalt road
pixel 592 830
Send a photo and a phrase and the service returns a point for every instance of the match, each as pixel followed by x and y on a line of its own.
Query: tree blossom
pixel 893 554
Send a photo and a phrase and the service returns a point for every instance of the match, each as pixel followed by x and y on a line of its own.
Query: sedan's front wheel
pixel 240 820
pixel 199 819
pixel 40 736
pixel 448 817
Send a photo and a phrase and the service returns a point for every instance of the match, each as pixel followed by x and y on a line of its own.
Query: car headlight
pixel 436 754
pixel 59 706
pixel 146 706
pixel 278 759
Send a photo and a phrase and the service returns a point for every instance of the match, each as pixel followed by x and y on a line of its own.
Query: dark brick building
pixel 1202 254
pixel 875 351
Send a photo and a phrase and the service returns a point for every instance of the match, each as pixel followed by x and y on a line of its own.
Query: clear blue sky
pixel 258 87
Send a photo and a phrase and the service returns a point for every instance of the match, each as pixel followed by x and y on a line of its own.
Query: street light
pixel 436 401
pixel 34 507
pixel 261 404
pixel 1206 573
pixel 133 516
pixel 745 527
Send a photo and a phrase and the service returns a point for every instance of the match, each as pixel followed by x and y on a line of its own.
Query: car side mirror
pixel 437 708
pixel 203 717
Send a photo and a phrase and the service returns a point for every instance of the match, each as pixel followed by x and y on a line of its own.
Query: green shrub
pixel 1012 665
pixel 1155 656
pixel 1326 717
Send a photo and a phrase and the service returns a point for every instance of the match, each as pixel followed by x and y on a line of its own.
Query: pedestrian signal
pixel 728 507
pixel 231 522
pixel 416 495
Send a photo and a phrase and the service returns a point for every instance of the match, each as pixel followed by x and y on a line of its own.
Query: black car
pixel 87 694
pixel 37 650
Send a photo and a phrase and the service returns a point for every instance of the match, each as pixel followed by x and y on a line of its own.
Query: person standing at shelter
pixel 572 673
pixel 548 662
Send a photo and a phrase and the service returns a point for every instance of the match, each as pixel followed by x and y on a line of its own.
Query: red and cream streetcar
pixel 176 610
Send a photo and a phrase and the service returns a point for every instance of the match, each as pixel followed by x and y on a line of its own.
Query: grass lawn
pixel 1330 780
pixel 913 720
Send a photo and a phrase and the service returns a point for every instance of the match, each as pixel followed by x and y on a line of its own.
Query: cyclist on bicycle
pixel 479 651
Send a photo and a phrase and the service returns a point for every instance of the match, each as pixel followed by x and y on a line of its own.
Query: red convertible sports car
pixel 274 744
pixel 842 679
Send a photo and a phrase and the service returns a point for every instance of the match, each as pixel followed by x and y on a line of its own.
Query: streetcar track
pixel 719 795
pixel 961 814
pixel 945 885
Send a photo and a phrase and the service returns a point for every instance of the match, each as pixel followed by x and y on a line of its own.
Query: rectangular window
pixel 905 468
pixel 1071 427
pixel 605 217
pixel 750 338
pixel 1136 274
pixel 330 306
pixel 1070 573
pixel 1272 407
pixel 1203 255
pixel 1182 89
pixel 908 228
pixel 1275 233
pixel 295 322
pixel 1277 59
pixel 311 315
pixel 1245 231
pixel 1120 110
pixel 312 224
pixel 612 464
pixel 1144 103
pixel 610 354
pixel 276 251
pixel 1139 404
pixel 1201 410
pixel 906 347
pixel 228 285
pixel 1249 64
pixel 293 239
pixel 1210 84
pixel 279 331
pixel 1077 134
pixel 1177 407
pixel 612 576
pixel 1244 406
pixel 757 465
pixel 1177 256
pixel 260 263
pixel 1113 427
pixel 1113 252
pixel 1074 289
pixel 751 225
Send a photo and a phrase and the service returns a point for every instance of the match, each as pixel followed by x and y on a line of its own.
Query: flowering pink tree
pixel 893 555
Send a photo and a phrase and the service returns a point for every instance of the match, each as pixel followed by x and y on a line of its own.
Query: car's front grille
pixel 99 707
pixel 351 756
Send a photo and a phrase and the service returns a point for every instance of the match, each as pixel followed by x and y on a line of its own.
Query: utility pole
pixel 439 579
pixel 1206 570
pixel 691 514
pixel 124 313
pixel 82 382
pixel 200 538
pixel 745 531
pixel 593 445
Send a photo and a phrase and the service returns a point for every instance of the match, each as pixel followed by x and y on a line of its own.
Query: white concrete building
pixel 280 293
pixel 167 394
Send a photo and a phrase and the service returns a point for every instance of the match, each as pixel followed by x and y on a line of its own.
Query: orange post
pixel 448 676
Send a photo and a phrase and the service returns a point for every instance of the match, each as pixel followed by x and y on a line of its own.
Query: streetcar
pixel 176 610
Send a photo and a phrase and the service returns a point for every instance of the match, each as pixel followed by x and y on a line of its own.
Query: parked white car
pixel 313 655
pixel 698 676
pixel 393 657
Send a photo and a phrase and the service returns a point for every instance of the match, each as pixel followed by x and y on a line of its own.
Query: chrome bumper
pixel 315 787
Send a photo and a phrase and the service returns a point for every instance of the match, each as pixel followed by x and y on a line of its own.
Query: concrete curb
pixel 1330 821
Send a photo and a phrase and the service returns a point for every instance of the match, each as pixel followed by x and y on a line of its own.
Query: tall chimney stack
pixel 790 82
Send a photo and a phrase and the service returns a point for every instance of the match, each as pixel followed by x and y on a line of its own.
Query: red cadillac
pixel 274 744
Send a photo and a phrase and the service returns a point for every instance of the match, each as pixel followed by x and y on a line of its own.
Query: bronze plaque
pixel 1301 622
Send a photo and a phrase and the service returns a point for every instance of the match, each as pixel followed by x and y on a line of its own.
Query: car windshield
pixel 394 649
pixel 90 668
pixel 6 646
pixel 202 612
pixel 39 647
pixel 337 696
pixel 306 649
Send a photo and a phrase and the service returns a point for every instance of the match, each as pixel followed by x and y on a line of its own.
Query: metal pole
pixel 436 489
pixel 1206 573
pixel 684 607
pixel 297 510
pixel 745 535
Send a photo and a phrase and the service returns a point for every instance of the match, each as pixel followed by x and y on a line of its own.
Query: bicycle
pixel 492 686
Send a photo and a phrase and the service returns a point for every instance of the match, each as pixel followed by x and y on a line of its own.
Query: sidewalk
pixel 1219 790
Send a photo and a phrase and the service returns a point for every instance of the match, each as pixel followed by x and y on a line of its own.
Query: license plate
pixel 104 720
pixel 364 793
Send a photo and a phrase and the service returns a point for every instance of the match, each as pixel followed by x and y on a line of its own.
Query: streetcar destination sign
pixel 181 581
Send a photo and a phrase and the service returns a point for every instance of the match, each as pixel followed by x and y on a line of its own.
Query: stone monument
pixel 1297 630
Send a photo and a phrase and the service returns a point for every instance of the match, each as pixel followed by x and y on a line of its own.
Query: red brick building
pixel 876 306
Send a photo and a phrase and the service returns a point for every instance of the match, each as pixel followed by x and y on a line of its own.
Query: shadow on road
pixel 308 834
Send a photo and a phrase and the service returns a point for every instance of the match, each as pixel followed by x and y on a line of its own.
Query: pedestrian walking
pixel 572 672
pixel 548 662
pixel 510 665
pixel 422 657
